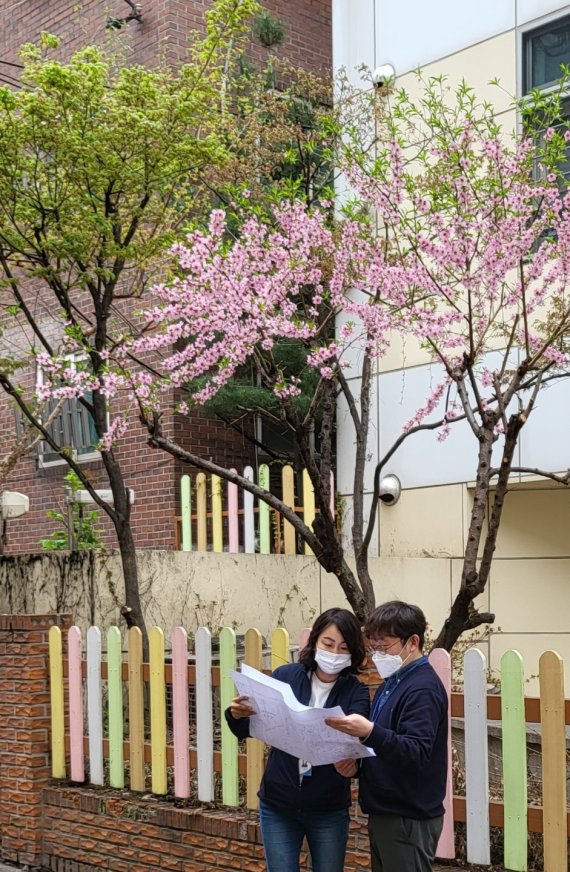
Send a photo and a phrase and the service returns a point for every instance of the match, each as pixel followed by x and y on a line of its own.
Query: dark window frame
pixel 527 55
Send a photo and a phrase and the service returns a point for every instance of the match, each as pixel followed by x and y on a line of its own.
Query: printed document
pixel 283 722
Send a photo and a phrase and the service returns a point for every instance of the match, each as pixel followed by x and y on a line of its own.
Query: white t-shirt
pixel 319 691
pixel 319 694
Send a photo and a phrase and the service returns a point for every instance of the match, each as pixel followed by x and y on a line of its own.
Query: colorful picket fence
pixel 212 518
pixel 184 740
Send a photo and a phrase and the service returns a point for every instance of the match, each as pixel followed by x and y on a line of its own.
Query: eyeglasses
pixel 382 647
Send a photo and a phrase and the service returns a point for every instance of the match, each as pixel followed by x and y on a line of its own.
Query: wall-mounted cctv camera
pixel 390 490
pixel 383 76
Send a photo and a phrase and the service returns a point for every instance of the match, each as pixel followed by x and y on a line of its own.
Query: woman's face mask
pixel 331 663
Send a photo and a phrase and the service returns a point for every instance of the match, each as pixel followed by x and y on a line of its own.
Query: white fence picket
pixel 248 516
pixel 94 705
pixel 204 715
pixel 476 757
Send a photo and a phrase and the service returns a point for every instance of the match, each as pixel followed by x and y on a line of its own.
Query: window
pixel 72 427
pixel 545 50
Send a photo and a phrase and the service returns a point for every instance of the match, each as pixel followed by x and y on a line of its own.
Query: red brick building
pixel 161 34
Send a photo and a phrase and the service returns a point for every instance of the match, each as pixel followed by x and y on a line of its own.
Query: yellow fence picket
pixel 308 504
pixel 157 711
pixel 279 647
pixel 288 482
pixel 202 511
pixel 551 676
pixel 136 709
pixel 253 655
pixel 57 704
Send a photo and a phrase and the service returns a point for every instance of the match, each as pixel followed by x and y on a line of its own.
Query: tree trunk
pixel 132 610
pixel 463 615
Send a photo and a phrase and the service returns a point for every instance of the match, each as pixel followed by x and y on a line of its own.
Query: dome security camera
pixel 390 490
pixel 383 76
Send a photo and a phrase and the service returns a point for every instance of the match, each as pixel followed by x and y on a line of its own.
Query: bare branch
pixel 531 470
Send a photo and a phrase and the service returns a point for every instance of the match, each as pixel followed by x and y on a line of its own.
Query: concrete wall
pixel 529 595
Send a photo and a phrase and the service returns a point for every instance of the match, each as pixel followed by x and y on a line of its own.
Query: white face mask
pixel 387 664
pixel 331 663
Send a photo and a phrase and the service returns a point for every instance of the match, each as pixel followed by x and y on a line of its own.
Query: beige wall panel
pixel 404 352
pixel 531 595
pixel 425 522
pixel 482 601
pixel 535 523
pixel 531 646
pixel 217 590
pixel 477 65
pixel 424 582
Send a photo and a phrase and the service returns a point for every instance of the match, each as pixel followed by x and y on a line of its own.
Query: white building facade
pixel 421 539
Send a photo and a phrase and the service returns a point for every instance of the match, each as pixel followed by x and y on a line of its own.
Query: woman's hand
pixel 352 725
pixel 240 708
pixel 347 768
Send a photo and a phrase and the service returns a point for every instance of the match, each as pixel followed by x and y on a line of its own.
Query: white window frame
pixel 86 457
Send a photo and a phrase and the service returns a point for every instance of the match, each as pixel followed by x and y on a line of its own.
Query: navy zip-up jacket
pixel 408 775
pixel 324 789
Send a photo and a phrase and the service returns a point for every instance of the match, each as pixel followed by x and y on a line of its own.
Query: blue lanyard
pixel 383 693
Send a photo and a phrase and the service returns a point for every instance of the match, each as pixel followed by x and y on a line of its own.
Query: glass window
pixel 545 50
pixel 73 427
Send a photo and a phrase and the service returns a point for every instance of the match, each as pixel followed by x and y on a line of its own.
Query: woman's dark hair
pixel 396 619
pixel 348 627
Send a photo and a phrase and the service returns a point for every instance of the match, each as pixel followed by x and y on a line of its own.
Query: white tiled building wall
pixel 421 539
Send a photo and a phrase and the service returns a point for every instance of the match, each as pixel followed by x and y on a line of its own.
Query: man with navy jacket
pixel 403 786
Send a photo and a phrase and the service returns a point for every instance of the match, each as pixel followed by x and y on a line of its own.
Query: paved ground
pixel 450 868
pixel 5 868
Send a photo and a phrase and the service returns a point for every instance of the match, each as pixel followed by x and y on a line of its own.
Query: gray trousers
pixel 399 844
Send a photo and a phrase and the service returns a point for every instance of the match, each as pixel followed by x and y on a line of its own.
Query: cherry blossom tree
pixel 101 163
pixel 458 235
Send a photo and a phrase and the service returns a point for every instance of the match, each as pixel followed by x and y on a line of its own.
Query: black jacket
pixel 408 775
pixel 324 789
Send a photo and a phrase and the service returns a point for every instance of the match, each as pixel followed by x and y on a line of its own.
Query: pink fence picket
pixel 441 662
pixel 75 704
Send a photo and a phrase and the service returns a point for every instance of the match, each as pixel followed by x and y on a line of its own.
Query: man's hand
pixel 240 708
pixel 352 725
pixel 347 768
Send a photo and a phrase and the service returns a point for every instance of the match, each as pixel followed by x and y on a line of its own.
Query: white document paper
pixel 283 722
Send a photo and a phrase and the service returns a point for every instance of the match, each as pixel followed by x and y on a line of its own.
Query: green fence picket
pixel 230 795
pixel 514 761
pixel 115 693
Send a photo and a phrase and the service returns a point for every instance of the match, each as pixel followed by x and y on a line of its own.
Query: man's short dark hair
pixel 396 618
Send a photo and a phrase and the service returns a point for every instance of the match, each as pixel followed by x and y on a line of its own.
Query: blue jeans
pixel 283 832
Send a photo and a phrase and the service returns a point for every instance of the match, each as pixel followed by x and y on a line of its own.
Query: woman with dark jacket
pixel 298 800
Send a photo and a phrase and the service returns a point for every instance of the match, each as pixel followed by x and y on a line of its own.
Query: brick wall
pixel 162 36
pixel 78 829
pixel 163 33
pixel 86 830
pixel 24 732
